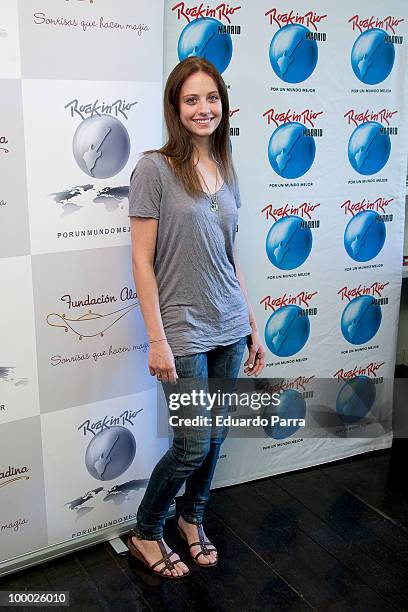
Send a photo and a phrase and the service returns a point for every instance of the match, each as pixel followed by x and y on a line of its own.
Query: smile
pixel 203 121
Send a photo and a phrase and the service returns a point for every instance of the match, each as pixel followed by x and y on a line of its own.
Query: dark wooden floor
pixel 328 538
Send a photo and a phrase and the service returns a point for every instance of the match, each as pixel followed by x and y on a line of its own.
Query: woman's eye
pixel 190 100
pixel 214 98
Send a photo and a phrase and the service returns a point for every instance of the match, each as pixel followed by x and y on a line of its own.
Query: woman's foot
pixel 190 530
pixel 152 553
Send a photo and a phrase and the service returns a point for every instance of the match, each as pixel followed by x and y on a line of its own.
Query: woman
pixel 183 206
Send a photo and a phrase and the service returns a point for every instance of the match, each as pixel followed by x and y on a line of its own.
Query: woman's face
pixel 200 105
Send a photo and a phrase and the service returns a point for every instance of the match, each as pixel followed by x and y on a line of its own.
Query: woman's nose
pixel 203 107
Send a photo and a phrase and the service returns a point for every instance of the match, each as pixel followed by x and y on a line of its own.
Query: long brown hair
pixel 179 147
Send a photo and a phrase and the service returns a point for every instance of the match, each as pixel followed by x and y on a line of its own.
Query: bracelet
pixel 160 340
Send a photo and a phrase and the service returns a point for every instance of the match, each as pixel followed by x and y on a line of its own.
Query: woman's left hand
pixel 256 357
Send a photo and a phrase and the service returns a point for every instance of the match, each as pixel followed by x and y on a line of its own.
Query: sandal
pixel 204 545
pixel 169 564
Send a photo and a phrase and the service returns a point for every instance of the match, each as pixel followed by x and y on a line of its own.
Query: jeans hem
pixel 142 535
pixel 191 519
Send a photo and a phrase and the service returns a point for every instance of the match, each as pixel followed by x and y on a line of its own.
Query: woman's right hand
pixel 161 362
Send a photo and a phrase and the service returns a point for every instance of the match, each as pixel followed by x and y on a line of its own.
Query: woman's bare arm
pixel 256 359
pixel 144 237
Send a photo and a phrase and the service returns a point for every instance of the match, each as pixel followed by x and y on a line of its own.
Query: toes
pixel 182 569
pixel 211 558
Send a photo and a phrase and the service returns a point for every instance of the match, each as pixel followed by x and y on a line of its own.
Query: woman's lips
pixel 203 122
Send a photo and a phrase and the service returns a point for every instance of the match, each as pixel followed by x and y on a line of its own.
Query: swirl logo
pixel 101 146
pixel 355 399
pixel 291 153
pixel 364 236
pixel 361 319
pixel 287 331
pixel 293 55
pixel 110 453
pixel 369 148
pixel 372 56
pixel 292 406
pixel 205 38
pixel 289 243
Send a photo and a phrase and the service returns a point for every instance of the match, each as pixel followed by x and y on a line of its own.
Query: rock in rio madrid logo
pixel 365 233
pixel 292 148
pixel 373 52
pixel 361 318
pixel 358 393
pixel 292 406
pixel 369 145
pixel 289 240
pixel 221 12
pixel 293 51
pixel 308 19
pixel 207 33
pixel 389 23
pixel 287 329
pixel 370 370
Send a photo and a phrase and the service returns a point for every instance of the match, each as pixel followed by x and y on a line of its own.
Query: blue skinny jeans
pixel 194 452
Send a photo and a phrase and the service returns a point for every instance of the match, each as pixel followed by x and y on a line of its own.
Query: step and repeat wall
pixel 319 143
pixel 319 139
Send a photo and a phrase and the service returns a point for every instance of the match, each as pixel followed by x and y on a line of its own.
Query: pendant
pixel 214 204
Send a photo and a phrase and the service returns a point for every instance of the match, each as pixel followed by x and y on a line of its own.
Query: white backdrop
pixel 81 98
pixel 292 63
pixel 81 87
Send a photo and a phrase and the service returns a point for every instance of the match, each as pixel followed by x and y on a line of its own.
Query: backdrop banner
pixel 81 85
pixel 319 139
pixel 318 135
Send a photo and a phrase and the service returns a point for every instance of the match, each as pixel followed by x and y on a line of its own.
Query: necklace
pixel 211 196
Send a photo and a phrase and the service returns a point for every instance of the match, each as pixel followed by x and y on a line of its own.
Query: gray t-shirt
pixel 201 302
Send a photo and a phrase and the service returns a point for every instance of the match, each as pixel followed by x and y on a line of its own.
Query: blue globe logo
pixel 101 146
pixel 372 57
pixel 288 243
pixel 287 331
pixel 203 38
pixel 361 319
pixel 369 148
pixel 291 153
pixel 364 236
pixel 292 406
pixel 292 54
pixel 110 453
pixel 355 399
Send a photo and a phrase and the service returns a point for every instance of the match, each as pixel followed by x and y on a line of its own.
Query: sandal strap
pixel 166 561
pixel 200 532
pixel 162 548
pixel 163 569
pixel 206 551
pixel 202 543
pixel 199 544
pixel 201 553
pixel 169 564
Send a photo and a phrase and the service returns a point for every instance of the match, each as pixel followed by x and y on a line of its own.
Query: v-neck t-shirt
pixel 201 302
